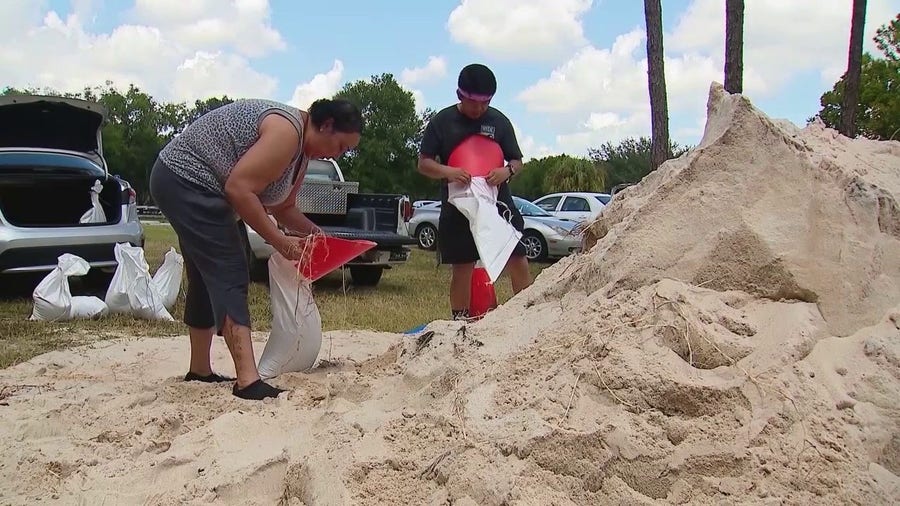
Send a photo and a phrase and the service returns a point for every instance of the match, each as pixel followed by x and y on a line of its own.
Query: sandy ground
pixel 732 338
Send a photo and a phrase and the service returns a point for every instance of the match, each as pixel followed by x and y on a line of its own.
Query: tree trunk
pixel 850 101
pixel 656 78
pixel 734 46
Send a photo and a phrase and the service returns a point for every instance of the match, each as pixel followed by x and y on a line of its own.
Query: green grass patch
pixel 407 296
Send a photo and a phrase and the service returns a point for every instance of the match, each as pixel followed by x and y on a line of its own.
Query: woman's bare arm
pixel 261 165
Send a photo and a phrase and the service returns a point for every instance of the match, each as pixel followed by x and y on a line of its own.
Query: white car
pixel 574 206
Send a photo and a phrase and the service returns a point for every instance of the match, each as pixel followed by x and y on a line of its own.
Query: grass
pixel 407 296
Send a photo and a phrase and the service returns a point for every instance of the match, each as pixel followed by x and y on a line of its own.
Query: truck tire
pixel 365 275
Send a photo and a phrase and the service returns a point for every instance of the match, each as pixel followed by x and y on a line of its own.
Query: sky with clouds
pixel 572 73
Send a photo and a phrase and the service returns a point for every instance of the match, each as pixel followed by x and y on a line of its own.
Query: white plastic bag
pixel 131 290
pixel 495 238
pixel 167 279
pixel 95 214
pixel 53 300
pixel 296 336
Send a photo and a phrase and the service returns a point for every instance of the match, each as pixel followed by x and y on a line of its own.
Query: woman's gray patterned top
pixel 208 149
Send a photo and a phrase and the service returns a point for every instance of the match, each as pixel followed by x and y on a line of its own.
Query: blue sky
pixel 571 72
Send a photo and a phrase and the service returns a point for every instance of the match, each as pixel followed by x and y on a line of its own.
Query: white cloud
pixel 603 91
pixel 435 68
pixel 520 29
pixel 40 48
pixel 781 39
pixel 322 85
pixel 530 147
pixel 242 25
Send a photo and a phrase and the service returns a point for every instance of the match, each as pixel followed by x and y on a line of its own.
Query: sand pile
pixel 733 337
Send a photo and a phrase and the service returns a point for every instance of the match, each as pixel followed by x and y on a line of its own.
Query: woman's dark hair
pixel 477 78
pixel 346 115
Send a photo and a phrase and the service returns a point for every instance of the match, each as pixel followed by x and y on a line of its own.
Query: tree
pixel 656 79
pixel 386 158
pixel 530 183
pixel 574 175
pixel 629 160
pixel 850 103
pixel 879 101
pixel 734 46
pixel 887 39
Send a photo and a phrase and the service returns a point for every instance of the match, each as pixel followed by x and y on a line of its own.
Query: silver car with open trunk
pixel 51 155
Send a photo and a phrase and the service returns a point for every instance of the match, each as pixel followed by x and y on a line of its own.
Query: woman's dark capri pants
pixel 214 257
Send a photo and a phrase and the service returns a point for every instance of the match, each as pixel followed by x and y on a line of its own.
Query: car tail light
pixel 407 210
pixel 130 195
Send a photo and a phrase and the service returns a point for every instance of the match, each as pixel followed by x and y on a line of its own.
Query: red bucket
pixel 330 253
pixel 482 298
pixel 478 155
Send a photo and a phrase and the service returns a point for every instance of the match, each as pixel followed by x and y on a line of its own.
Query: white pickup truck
pixel 336 206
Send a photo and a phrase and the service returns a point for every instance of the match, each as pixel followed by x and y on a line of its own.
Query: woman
pixel 244 160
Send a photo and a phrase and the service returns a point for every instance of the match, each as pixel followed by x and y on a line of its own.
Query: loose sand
pixel 732 338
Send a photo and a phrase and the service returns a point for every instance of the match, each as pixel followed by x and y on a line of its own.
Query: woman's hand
pixel 294 247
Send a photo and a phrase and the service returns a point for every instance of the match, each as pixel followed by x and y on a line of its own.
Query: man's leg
pixel 461 289
pixel 519 275
pixel 457 248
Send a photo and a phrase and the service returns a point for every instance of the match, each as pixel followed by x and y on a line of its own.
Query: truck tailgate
pixel 384 238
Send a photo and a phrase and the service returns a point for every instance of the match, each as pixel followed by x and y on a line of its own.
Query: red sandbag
pixel 478 155
pixel 483 298
pixel 330 253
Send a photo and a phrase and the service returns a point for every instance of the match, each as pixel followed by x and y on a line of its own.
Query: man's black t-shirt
pixel 449 127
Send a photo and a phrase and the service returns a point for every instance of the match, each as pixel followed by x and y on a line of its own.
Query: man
pixel 472 115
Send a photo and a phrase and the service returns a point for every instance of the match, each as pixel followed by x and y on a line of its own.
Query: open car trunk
pixel 42 122
pixel 57 200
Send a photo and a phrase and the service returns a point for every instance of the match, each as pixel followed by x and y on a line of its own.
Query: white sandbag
pixel 296 336
pixel 53 300
pixel 495 238
pixel 95 214
pixel 130 290
pixel 167 279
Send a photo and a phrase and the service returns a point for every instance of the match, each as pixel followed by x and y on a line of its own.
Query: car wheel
pixel 364 275
pixel 426 234
pixel 535 246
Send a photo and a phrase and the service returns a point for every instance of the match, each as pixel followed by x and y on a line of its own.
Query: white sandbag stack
pixel 131 290
pixel 53 300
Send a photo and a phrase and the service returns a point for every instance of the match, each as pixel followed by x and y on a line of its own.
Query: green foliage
pixel 629 160
pixel 385 160
pixel 574 175
pixel 137 127
pixel 878 113
pixel 887 39
pixel 529 184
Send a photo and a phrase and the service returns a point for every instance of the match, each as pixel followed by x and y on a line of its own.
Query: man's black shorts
pixel 455 242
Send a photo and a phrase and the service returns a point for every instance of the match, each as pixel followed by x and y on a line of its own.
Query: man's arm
pixel 511 152
pixel 428 164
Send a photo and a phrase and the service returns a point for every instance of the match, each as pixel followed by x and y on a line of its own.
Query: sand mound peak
pixel 732 337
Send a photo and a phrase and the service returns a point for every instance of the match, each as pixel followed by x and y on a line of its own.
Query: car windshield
pixel 604 199
pixel 322 170
pixel 528 209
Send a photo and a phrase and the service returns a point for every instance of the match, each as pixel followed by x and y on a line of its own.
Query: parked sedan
pixel 51 158
pixel 575 206
pixel 544 237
